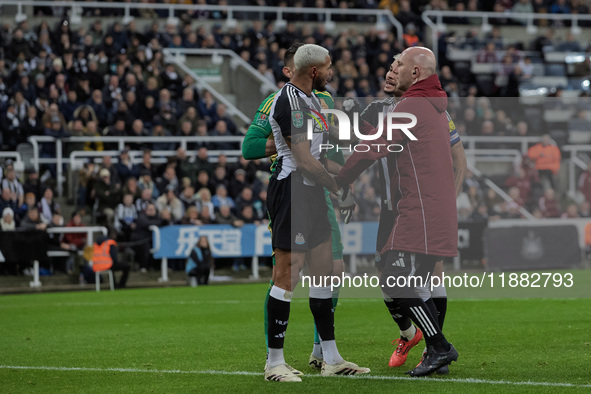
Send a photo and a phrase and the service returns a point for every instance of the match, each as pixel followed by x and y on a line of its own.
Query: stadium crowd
pixel 111 80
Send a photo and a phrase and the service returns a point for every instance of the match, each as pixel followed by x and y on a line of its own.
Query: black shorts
pixel 394 264
pixel 298 214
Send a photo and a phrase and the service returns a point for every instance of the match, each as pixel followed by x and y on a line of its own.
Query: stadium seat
pixel 97 276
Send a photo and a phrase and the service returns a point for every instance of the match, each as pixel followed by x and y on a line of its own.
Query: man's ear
pixel 287 72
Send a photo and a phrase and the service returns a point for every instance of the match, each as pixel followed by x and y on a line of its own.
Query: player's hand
pixel 350 105
pixel 346 204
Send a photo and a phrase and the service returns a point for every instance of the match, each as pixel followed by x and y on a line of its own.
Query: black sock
pixel 323 313
pixel 277 318
pixel 441 305
pixel 403 322
pixel 421 314
pixel 433 309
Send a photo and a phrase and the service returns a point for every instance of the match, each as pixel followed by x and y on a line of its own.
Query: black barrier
pixel 470 241
pixel 530 247
pixel 21 246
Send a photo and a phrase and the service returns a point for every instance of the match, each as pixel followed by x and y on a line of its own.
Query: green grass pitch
pixel 210 339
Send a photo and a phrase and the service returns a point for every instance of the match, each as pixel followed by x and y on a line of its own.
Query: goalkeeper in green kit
pixel 259 143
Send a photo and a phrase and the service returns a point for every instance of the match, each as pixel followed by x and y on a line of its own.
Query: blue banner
pixel 250 240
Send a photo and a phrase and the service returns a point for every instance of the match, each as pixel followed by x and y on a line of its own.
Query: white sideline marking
pixel 301 300
pixel 246 373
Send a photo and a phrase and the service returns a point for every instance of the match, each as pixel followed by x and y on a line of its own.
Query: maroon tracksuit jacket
pixel 421 176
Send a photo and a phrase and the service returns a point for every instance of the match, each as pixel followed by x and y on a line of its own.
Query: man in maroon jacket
pixel 422 179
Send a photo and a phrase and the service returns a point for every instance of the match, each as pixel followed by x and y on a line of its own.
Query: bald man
pixel 422 183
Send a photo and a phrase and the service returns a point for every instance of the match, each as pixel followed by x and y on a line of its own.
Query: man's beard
pixel 317 85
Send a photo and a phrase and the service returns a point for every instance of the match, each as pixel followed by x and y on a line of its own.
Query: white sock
pixel 330 352
pixel 275 357
pixel 409 333
pixel 317 351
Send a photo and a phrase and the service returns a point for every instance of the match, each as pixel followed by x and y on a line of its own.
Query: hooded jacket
pixel 421 177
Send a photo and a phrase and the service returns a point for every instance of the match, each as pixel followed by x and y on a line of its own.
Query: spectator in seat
pixel 108 164
pixel 222 114
pixel 186 168
pixel 125 168
pixel 48 206
pixel 549 205
pixel 244 199
pixel 12 183
pixel 560 7
pixel 76 239
pixel 225 216
pixel 221 198
pixel 247 215
pixel 7 223
pixel 546 156
pixel 32 221
pixel 168 178
pixel 205 205
pixel 221 130
pixel 125 218
pixel 146 164
pixel 107 194
pixel 146 198
pixel 170 201
pixel 142 236
pixel 187 100
pixel 203 180
pixel 585 183
pixel 203 162
pixel 522 182
pixel 238 183
pixel 514 193
pixel 220 176
pixel 571 212
pixel 31 125
pixel 188 197
pixel 146 182
pixel 487 55
pixel 30 201
pixel 208 108
pixel 191 216
pixel 6 200
pixel 131 187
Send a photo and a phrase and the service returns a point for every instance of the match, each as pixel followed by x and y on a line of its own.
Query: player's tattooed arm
pixel 332 167
pixel 311 167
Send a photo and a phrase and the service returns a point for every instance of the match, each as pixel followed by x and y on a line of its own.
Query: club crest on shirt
pixel 297 119
pixel 262 120
pixel 299 239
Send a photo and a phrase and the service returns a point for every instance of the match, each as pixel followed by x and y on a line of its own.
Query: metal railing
pixel 89 230
pixel 202 84
pixel 76 9
pixel 266 85
pixel 573 163
pixel 500 192
pixel 59 160
pixel 527 19
pixel 522 142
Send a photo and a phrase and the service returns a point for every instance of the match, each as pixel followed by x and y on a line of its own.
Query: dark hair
pixel 290 52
